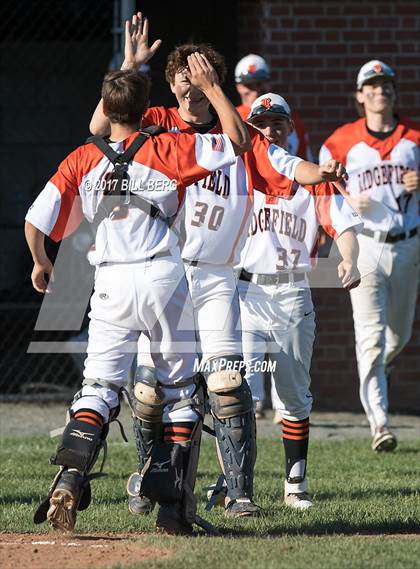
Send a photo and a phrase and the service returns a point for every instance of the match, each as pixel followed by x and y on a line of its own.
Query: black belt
pixel 279 278
pixel 195 263
pixel 382 236
pixel 192 263
pixel 165 253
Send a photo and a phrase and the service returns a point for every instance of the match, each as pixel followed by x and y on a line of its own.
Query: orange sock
pixel 89 416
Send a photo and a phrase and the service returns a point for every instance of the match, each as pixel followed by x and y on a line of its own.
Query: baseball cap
pixel 372 69
pixel 251 68
pixel 269 103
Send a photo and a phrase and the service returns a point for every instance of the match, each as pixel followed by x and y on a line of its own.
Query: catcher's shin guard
pixel 147 407
pixel 82 440
pixel 170 473
pixel 234 423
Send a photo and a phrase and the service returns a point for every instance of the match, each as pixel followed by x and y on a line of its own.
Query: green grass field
pixel 361 500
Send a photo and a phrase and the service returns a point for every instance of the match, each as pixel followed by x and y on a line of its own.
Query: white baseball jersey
pixel 375 168
pixel 159 172
pixel 214 223
pixel 283 235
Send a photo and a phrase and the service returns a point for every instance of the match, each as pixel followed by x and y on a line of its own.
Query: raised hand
pixel 201 73
pixel 331 171
pixel 136 49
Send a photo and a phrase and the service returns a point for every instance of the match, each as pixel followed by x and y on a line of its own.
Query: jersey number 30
pixel 214 219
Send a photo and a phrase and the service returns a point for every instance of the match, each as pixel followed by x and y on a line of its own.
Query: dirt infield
pixel 97 551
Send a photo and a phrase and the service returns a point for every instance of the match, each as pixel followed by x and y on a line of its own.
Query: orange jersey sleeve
pixel 186 158
pixel 67 180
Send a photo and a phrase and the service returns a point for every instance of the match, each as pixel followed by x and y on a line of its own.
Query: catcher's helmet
pixel 251 68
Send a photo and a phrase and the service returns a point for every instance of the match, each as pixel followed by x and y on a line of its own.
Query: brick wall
pixel 334 372
pixel 315 50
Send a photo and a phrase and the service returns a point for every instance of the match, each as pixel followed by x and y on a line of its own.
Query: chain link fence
pixel 53 55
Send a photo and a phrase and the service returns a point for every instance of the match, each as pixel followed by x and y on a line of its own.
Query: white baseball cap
pixel 251 68
pixel 372 69
pixel 269 103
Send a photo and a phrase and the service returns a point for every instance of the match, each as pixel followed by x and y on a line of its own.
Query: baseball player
pixel 251 76
pixel 214 226
pixel 381 151
pixel 139 287
pixel 277 313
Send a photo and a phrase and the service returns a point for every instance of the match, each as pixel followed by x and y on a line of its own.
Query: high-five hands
pixel 136 49
pixel 331 171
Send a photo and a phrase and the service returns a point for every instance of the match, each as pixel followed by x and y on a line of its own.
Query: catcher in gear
pixel 140 285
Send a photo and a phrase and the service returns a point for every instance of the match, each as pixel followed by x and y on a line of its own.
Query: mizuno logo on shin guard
pixel 81 435
pixel 157 467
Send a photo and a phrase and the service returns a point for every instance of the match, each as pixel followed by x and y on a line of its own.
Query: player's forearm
pixel 231 122
pixel 36 243
pixel 308 173
pixel 348 246
pixel 99 123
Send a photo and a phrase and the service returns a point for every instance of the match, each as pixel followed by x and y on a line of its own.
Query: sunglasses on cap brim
pixel 278 109
pixel 369 75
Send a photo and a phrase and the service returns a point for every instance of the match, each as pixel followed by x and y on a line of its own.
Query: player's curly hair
pixel 125 96
pixel 177 60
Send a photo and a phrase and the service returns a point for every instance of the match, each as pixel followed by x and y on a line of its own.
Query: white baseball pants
pixel 383 310
pixel 216 309
pixel 150 297
pixel 279 320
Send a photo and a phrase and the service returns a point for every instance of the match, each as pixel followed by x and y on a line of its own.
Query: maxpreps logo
pixel 222 365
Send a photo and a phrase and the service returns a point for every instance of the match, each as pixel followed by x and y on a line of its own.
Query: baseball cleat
pixel 65 500
pixel 241 507
pixel 296 495
pixel 140 505
pixel 384 440
pixel 169 520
